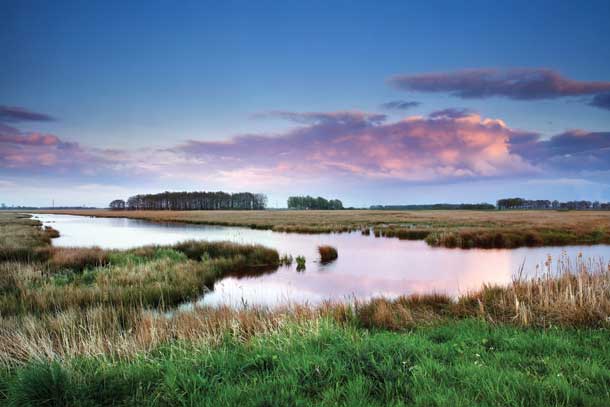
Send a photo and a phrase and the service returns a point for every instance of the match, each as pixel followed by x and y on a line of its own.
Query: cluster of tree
pixel 309 202
pixel 520 203
pixel 117 205
pixel 185 201
pixel 442 206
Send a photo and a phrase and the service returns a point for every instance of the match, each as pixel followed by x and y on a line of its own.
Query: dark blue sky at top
pixel 121 74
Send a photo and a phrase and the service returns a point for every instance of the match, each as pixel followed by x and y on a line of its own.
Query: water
pixel 366 267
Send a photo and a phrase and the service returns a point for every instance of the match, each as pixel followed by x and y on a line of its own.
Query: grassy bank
pixel 86 326
pixel 459 363
pixel 36 277
pixel 464 229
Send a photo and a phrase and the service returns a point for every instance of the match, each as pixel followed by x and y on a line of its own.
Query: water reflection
pixel 366 267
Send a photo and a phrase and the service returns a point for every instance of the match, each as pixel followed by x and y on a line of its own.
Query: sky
pixel 394 103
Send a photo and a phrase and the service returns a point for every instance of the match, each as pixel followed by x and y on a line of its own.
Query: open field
pixel 86 326
pixel 465 229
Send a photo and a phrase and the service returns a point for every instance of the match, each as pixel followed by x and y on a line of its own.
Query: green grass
pixel 462 363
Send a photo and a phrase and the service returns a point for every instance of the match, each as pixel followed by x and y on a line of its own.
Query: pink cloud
pixel 448 145
pixel 414 149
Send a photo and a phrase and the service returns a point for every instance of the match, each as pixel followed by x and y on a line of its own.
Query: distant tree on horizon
pixel 199 200
pixel 117 204
pixel 309 202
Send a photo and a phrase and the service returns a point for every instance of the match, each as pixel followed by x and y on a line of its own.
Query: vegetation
pixel 435 207
pixel 99 338
pixel 327 253
pixel 464 229
pixel 38 278
pixel 300 263
pixel 318 362
pixel 117 205
pixel 309 202
pixel 520 203
pixel 188 201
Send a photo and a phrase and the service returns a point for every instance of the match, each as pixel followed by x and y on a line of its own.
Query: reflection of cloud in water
pixel 367 266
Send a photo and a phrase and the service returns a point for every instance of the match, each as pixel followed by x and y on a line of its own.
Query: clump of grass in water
pixel 286 260
pixel 300 263
pixel 50 232
pixel 327 253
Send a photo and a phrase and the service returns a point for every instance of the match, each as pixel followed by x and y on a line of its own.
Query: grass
pixel 86 326
pixel 157 276
pixel 464 229
pixel 38 278
pixel 327 254
pixel 300 263
pixel 22 238
pixel 459 363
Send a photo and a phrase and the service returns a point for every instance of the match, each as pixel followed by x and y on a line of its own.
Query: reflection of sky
pixel 366 267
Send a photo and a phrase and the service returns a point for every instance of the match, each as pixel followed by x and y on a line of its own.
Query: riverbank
pixel 463 229
pixel 86 326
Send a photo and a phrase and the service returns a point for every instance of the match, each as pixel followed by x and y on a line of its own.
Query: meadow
pixel 87 326
pixel 449 228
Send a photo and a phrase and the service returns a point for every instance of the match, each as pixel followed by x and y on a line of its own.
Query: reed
pixel 327 254
pixel 572 293
pixel 152 276
pixel 300 263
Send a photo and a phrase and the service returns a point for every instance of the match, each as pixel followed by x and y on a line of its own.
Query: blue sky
pixel 154 75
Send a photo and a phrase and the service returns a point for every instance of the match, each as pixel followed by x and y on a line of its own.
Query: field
pixel 465 229
pixel 86 326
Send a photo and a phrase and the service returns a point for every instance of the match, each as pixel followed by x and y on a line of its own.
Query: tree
pixel 309 202
pixel 117 204
pixel 202 200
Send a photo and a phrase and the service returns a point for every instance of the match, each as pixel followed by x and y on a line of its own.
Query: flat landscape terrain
pixel 87 326
pixel 455 228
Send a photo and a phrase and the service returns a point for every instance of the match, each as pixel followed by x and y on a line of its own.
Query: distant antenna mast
pixel 53 203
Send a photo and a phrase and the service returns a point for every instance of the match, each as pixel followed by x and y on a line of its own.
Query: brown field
pixel 486 229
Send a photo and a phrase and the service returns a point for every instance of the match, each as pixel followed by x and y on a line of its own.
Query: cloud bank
pixel 517 84
pixel 19 114
pixel 447 146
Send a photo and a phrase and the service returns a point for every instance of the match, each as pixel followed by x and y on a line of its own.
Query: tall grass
pixel 572 294
pixel 327 253
pixel 153 276
pixel 22 238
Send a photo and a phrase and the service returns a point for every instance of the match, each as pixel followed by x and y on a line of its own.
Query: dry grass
pixel 152 276
pixel 327 253
pixel 22 238
pixel 572 294
pixel 440 228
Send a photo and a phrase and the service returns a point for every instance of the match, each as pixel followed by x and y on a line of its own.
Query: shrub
pixel 300 263
pixel 327 253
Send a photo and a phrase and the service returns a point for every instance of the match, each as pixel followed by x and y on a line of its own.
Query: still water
pixel 366 267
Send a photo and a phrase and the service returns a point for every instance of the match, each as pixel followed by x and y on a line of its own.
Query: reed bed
pixel 572 293
pixel 152 276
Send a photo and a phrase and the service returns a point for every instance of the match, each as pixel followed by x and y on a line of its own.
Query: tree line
pixel 441 206
pixel 186 201
pixel 520 203
pixel 309 202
